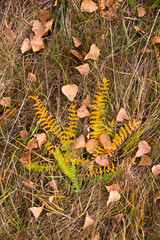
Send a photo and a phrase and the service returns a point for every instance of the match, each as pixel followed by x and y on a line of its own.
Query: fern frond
pixel 74 178
pixel 39 167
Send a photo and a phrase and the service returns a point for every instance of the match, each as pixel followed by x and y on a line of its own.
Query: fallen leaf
pixel 113 197
pixel 70 91
pixel 37 43
pixel 5 113
pixel 26 46
pixel 145 50
pixel 49 24
pixel 31 77
pixel 88 6
pixel 104 138
pixel 54 184
pixel 41 138
pixel 122 114
pixel 93 53
pixel 96 237
pixel 92 145
pixel 145 161
pixel 102 4
pixel 102 160
pixel 108 15
pixel 51 198
pixel 32 22
pixel 138 29
pixel 76 42
pixel 156 170
pixel 109 3
pixel 33 143
pixel 116 219
pixel 86 130
pixel 43 15
pixel 25 158
pixel 5 101
pixel 77 54
pixel 83 112
pixel 8 32
pixel 79 142
pixel 88 221
pixel 87 101
pixel 39 29
pixel 141 11
pixel 36 211
pixel 24 134
pixel 155 40
pixel 30 184
pixel 83 69
pixel 143 148
pixel 157 196
pixel 114 187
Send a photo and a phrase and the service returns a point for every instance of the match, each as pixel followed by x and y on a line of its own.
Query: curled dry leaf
pixel 114 187
pixel 143 148
pixel 88 221
pixel 157 196
pixel 77 54
pixel 36 211
pixel 145 161
pixel 109 15
pixel 49 24
pixel 86 130
pixel 88 6
pixel 70 91
pixel 5 101
pixel 25 158
pixel 54 184
pixel 156 170
pixel 79 142
pixel 104 138
pixel 26 46
pixel 122 114
pixel 141 11
pixel 155 40
pixel 109 3
pixel 24 134
pixel 39 29
pixel 83 112
pixel 9 33
pixel 37 43
pixel 51 198
pixel 113 197
pixel 92 145
pixel 102 160
pixel 93 53
pixel 83 69
pixel 41 138
pixel 33 143
pixel 138 29
pixel 30 184
pixel 31 77
pixel 76 42
pixel 87 101
pixel 116 220
pixel 43 15
pixel 102 4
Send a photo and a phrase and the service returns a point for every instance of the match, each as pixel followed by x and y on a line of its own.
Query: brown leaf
pixel 138 29
pixel 30 184
pixel 70 91
pixel 145 50
pixel 77 54
pixel 143 148
pixel 122 114
pixel 25 158
pixel 8 32
pixel 92 145
pixel 145 161
pixel 155 40
pixel 104 138
pixel 114 187
pixel 26 46
pixel 32 22
pixel 156 170
pixel 54 184
pixel 79 142
pixel 93 53
pixel 39 29
pixel 86 131
pixel 24 134
pixel 5 101
pixel 76 42
pixel 88 221
pixel 102 160
pixel 83 112
pixel 87 101
pixel 88 6
pixel 41 138
pixel 109 15
pixel 31 77
pixel 102 4
pixel 37 43
pixel 113 197
pixel 96 237
pixel 157 196
pixel 51 198
pixel 5 113
pixel 141 11
pixel 43 15
pixel 109 3
pixel 33 143
pixel 36 211
pixel 116 219
pixel 83 69
pixel 49 24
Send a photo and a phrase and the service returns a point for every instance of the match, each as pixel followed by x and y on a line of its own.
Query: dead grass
pixel 134 84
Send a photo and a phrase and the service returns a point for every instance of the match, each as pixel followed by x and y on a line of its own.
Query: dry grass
pixel 134 84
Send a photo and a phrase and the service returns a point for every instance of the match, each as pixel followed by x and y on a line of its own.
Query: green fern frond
pixel 39 167
pixel 74 178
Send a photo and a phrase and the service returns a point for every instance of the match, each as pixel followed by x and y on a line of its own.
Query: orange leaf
pixel 31 77
pixel 51 198
pixel 92 145
pixel 25 158
pixel 113 197
pixel 24 134
pixel 83 69
pixel 93 53
pixel 102 4
pixel 114 187
pixel 145 161
pixel 109 15
pixel 157 196
pixel 155 40
pixel 54 184
pixel 37 43
pixel 88 6
pixel 156 170
pixel 5 113
pixel 83 112
pixel 36 211
pixel 26 46
pixel 76 42
pixel 8 32
pixel 30 184
pixel 77 54
pixel 109 3
pixel 33 143
pixel 79 142
pixel 87 101
pixel 143 148
pixel 5 101
pixel 102 160
pixel 88 221
pixel 141 11
pixel 104 138
pixel 39 29
pixel 41 138
pixel 49 24
pixel 70 91
pixel 138 29
pixel 122 114
pixel 43 15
